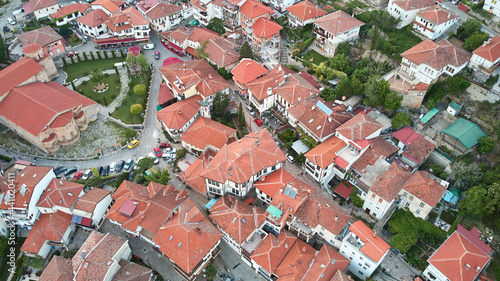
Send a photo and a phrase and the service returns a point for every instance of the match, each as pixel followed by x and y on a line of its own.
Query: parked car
pixel 77 176
pixel 257 121
pixel 250 110
pixel 105 171
pixel 128 164
pixel 60 170
pixel 151 155
pixel 101 168
pixel 11 21
pixel 133 144
pixel 150 46
pixel 70 171
pixel 157 55
pixel 130 175
pixel 71 54
pixel 290 158
pixel 164 145
pixel 170 149
pixel 112 167
pixel 170 155
pixel 6 29
pixel 119 166
pixel 158 151
pixel 87 174
pixel 138 160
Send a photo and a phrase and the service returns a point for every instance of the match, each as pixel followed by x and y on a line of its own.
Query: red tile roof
pixel 163 9
pixel 359 127
pixel 406 135
pixel 379 149
pixel 253 9
pixel 341 276
pixel 473 235
pixel 419 149
pixel 437 54
pixel 177 115
pixel 222 51
pixel 323 154
pixel 201 34
pixel 89 200
pixel 409 5
pixel 58 269
pixel 272 183
pixel 272 250
pixel 272 79
pixel 17 73
pixel 187 237
pixel 40 103
pixel 94 18
pixel 192 174
pixel 236 218
pixel 60 193
pixel 264 28
pixel 112 6
pixel 198 74
pixel 326 263
pixel 338 22
pixel 31 48
pixel 238 161
pixel 41 4
pixel 43 36
pixel 125 19
pixel 164 94
pixel 48 227
pixel 344 189
pixel 205 132
pixel 425 188
pixel 179 35
pixel 459 259
pixel 306 10
pixel 296 262
pixel 437 15
pixel 391 182
pixel 490 50
pixel 145 5
pixel 247 71
pixel 130 271
pixel 296 89
pixel 374 247
pixel 71 8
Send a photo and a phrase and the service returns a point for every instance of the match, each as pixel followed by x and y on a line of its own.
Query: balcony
pixel 354 242
pixel 301 227
pixel 251 244
pixel 348 155
pixel 320 32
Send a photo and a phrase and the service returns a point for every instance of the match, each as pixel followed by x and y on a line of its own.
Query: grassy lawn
pixel 123 111
pixel 85 67
pixel 493 270
pixel 106 97
pixel 4 272
pixel 448 216
pixel 317 57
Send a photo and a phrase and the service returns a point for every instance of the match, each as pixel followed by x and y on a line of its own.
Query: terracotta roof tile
pixel 409 5
pixel 94 18
pixel 17 73
pixel 338 22
pixel 323 154
pixel 306 10
pixel 264 28
pixel 341 276
pixel 419 149
pixel 271 79
pixel 437 54
pixel 253 9
pixel 179 35
pixel 359 127
pixel 163 9
pixel 177 115
pixel 205 132
pixel 452 257
pixel 391 182
pixel 437 15
pixel 60 193
pixel 222 51
pixel 112 6
pixel 126 19
pixel 379 149
pixel 273 249
pixel 146 5
pixel 236 218
pixel 48 227
pixel 425 188
pixel 272 183
pixel 71 8
pixel 247 71
pixel 374 247
pixel 130 271
pixel 58 269
pixel 89 200
pixel 406 135
pixel 296 89
pixel 201 34
pixel 187 237
pixel 43 36
pixel 238 161
pixel 192 174
pixel 41 4
pixel 490 50
pixel 326 263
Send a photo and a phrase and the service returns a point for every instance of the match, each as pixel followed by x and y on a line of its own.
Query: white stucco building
pixel 435 22
pixel 406 10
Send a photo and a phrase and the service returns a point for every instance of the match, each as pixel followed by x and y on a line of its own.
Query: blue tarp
pixel 211 203
pixel 450 198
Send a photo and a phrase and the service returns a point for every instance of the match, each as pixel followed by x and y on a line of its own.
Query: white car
pixel 290 158
pixel 152 156
pixel 86 175
pixel 112 167
pixel 11 21
pixel 170 150
pixel 149 46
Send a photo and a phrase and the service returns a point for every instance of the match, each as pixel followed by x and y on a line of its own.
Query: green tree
pixel 143 165
pixel 220 103
pixel 96 75
pixel 241 115
pixel 343 48
pixel 65 31
pixel 137 65
pixel 99 55
pixel 130 133
pixel 355 199
pixel 34 262
pixel 65 63
pixel 200 51
pixel 92 55
pixel 160 176
pixel 85 56
pixel 210 272
pixel 140 89
pixel 216 25
pixel 340 62
pixel 392 101
pixel 401 119
pixel 95 172
pixel 181 153
pixel 135 108
pixel 475 40
pixel 486 144
pixel 482 201
pixel 468 28
pixel 466 175
pixel 246 51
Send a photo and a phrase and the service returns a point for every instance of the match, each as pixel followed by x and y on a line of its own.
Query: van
pixel 149 46
pixel 250 110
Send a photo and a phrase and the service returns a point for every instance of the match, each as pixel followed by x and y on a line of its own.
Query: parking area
pixel 186 161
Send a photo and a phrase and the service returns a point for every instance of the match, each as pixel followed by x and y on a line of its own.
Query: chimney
pixel 336 217
pixel 304 249
pixel 180 112
pixel 269 91
pixel 209 76
pixel 313 107
pixel 374 235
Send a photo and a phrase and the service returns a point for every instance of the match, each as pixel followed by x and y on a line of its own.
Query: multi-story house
pixel 492 6
pixel 434 22
pixel 250 11
pixel 205 134
pixel 90 209
pixel 197 37
pixel 70 13
pixel 110 7
pixel 426 61
pixel 128 24
pixel 406 10
pixel 416 149
pixel 364 248
pixel 246 72
pixel 41 8
pixel 60 195
pixel 303 13
pixel 281 5
pixel 231 16
pixel 52 43
pixel 487 57
pixel 335 28
pixel 178 117
pixel 93 23
pixel 162 16
pixel 222 52
pixel 463 256
pixel 320 161
pixel 236 167
pixel 205 10
pixel 268 187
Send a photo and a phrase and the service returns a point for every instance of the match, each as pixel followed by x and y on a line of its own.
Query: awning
pixel 341 162
pixel 171 60
pixel 344 190
pixel 179 49
pixel 299 147
pixel 86 222
pixel 429 115
pixel 114 40
pixel 274 211
pixel 164 95
pixel 249 200
pixel 24 162
pixel 190 51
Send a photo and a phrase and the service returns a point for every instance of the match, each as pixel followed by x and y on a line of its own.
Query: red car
pixel 257 121
pixel 77 176
pixel 70 54
pixel 158 152
pixel 164 145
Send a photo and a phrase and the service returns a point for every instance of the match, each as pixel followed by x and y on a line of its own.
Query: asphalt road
pixel 464 16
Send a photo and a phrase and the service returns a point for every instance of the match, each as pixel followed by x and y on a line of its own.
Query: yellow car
pixel 133 144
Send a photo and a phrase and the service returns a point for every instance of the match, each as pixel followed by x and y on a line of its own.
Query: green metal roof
pixel 465 131
pixel 429 115
pixel 455 106
pixel 274 211
pixel 455 191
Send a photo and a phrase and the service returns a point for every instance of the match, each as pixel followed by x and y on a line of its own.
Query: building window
pixel 360 272
pixel 422 205
pixel 367 265
pixel 417 211
pixel 405 194
pixel 380 200
pixel 411 198
pixel 373 195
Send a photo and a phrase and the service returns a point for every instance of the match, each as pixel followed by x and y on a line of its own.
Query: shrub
pixel 106 75
pixel 65 63
pixel 92 55
pixel 85 56
pixel 84 82
pixel 140 89
pixel 181 153
pixel 130 133
pixel 72 60
pixel 99 55
pixel 355 199
pixel 113 53
pixel 105 54
pixel 97 75
pixel 104 101
pixel 116 71
pixel 135 108
pixel 78 58
pixel 122 53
